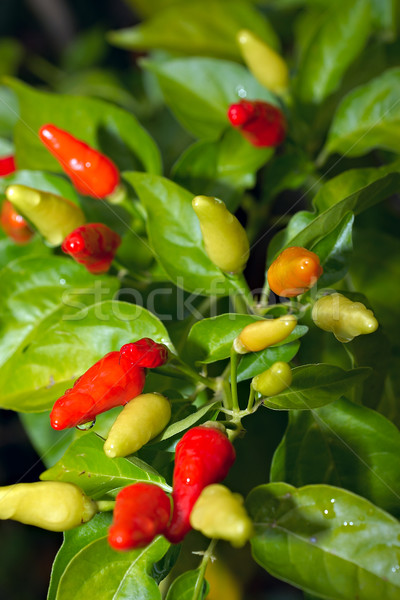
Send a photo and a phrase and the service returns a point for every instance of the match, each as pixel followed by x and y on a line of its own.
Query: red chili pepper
pixel 145 353
pixel 262 124
pixel 142 512
pixel 203 456
pixel 7 165
pixel 14 224
pixel 92 173
pixel 93 245
pixel 110 382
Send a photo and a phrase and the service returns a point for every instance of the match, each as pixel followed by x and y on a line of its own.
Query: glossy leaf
pixel 86 465
pixel 106 127
pixel 326 541
pixel 316 385
pixel 254 363
pixel 68 344
pixel 200 90
pixel 199 27
pixel 8 111
pixel 36 293
pixel 10 251
pixel 99 571
pixel 187 422
pixel 368 117
pixel 334 251
pixel 40 181
pixel 337 42
pixel 184 586
pixel 334 444
pixel 173 225
pixel 207 167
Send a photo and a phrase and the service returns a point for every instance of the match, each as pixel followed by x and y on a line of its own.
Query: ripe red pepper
pixel 110 382
pixel 262 124
pixel 14 224
pixel 142 512
pixel 93 245
pixel 145 353
pixel 7 165
pixel 92 173
pixel 203 456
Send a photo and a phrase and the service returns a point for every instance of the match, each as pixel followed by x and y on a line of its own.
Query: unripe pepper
pixel 145 353
pixel 225 239
pixel 93 245
pixel 142 419
pixel 92 173
pixel 7 165
pixel 262 334
pixel 53 505
pixel 274 380
pixel 110 382
pixel 260 123
pixel 344 318
pixel 203 456
pixel 54 217
pixel 218 513
pixel 14 224
pixel 142 512
pixel 266 65
pixel 294 272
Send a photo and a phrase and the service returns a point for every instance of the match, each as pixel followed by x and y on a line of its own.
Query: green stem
pixel 234 365
pixel 198 588
pixel 251 398
pixel 186 370
pixel 105 505
pixel 243 299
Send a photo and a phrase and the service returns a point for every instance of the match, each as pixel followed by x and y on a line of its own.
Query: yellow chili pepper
pixel 274 380
pixel 141 420
pixel 54 217
pixel 344 318
pixel 225 240
pixel 262 334
pixel 53 505
pixel 266 65
pixel 218 513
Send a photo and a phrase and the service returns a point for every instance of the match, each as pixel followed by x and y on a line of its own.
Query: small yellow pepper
pixel 53 505
pixel 218 513
pixel 266 65
pixel 273 381
pixel 54 217
pixel 141 420
pixel 262 334
pixel 344 318
pixel 225 239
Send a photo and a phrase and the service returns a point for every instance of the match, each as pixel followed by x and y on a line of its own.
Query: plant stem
pixel 198 588
pixel 242 299
pixel 234 364
pixel 251 398
pixel 105 505
pixel 186 370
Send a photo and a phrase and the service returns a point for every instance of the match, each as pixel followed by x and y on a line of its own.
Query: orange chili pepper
pixel 294 272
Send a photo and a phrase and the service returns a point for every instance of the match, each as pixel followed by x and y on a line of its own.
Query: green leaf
pixel 172 225
pixel 337 42
pixel 368 117
pixel 86 465
pixel 334 251
pixel 254 363
pixel 48 442
pixel 40 181
pixel 10 251
pixel 186 423
pixel 184 586
pixel 326 541
pixel 316 385
pixel 199 27
pixel 103 126
pixel 200 90
pixel 342 444
pixel 67 344
pixel 96 570
pixel 208 167
pixel 360 200
pixel 36 293
pixel 8 111
pixel 211 339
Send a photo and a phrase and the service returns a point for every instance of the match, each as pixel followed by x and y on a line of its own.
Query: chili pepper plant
pixel 199 304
